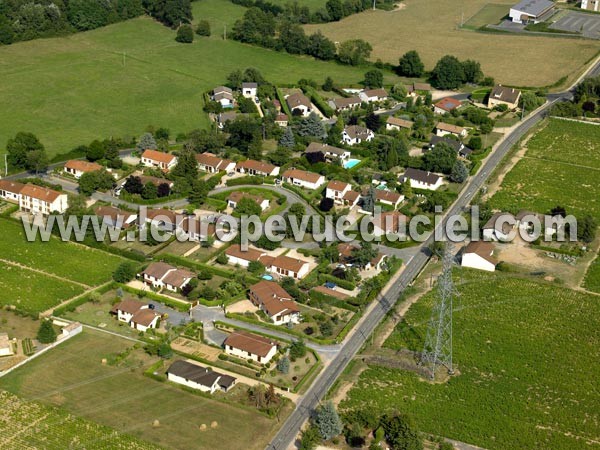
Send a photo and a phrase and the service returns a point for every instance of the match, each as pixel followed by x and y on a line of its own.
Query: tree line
pixel 23 20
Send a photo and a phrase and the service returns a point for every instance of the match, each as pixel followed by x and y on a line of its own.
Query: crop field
pixel 435 32
pixel 592 277
pixel 32 291
pixel 491 13
pixel 561 167
pixel 526 355
pixel 70 261
pixel 117 80
pixel 73 377
pixel 33 425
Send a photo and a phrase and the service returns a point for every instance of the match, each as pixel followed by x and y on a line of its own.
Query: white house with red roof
pixel 159 160
pixel 40 200
pixel 303 178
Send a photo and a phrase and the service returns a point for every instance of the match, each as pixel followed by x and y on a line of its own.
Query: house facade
pixel 345 104
pixel 336 190
pixel 77 167
pixel 299 104
pixel 303 178
pixel 420 179
pixel 244 345
pixel 329 152
pixel 40 200
pixel 238 257
pixel 208 162
pixel 443 129
pixel 224 96
pixel 161 275
pixel 137 314
pixel 259 168
pixel 250 90
pixel 501 95
pixel 197 377
pixel 373 95
pixel 277 304
pixel 355 134
pixel 395 124
pixel 284 266
pixel 479 255
pixel 11 190
pixel 158 160
pixel 446 105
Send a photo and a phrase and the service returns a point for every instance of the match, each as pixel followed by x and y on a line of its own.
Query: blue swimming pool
pixel 267 277
pixel 351 163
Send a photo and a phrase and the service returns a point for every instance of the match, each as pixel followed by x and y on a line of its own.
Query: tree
pixel 326 328
pixel 146 142
pixel 335 10
pixel 363 254
pixel 354 52
pixel 256 267
pixel 328 85
pixel 373 79
pixel 186 167
pixel 310 438
pixel 95 151
pixel 459 172
pixel 311 126
pixel 248 206
pixel 369 200
pixel 99 180
pixel 37 160
pixel 321 47
pixel 203 28
pixel 163 190
pixel 124 273
pixel 292 38
pixel 448 73
pixel 401 433
pixel 46 333
pixel 172 13
pixel 150 191
pixel 530 101
pixel 472 70
pixel 133 185
pixel 297 348
pixel 410 65
pixel 328 421
pixel 558 211
pixel 287 139
pixel 283 365
pixel 185 34
pixel 586 229
pixel 441 159
pixel 19 147
pixel 242 132
pixel 475 143
pixel 165 351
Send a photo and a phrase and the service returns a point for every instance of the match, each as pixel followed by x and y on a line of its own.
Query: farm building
pixel 499 227
pixel 479 255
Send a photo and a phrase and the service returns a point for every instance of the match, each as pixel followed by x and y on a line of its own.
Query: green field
pixel 561 167
pixel 526 355
pixel 67 260
pixel 117 80
pixel 31 291
pixel 592 277
pixel 73 377
pixel 491 13
pixel 33 425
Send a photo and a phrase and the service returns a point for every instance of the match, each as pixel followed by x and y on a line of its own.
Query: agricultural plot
pixel 592 277
pixel 561 167
pixel 526 355
pixel 70 261
pixel 129 75
pixel 118 395
pixel 31 291
pixel 33 425
pixel 542 60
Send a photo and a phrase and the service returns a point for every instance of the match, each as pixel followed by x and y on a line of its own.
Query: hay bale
pixel 214 424
pixel 203 427
pixel 104 361
pixel 156 424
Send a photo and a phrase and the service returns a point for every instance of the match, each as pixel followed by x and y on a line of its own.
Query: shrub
pixel 203 28
pixel 185 34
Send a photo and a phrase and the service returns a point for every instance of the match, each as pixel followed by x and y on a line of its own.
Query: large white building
pixel 531 11
pixel 40 200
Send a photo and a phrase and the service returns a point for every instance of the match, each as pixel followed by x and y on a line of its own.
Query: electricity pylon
pixel 438 342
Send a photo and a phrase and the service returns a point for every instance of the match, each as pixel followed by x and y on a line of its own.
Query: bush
pixel 46 333
pixel 125 272
pixel 203 28
pixel 185 34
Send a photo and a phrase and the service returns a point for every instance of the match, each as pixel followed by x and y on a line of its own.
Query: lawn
pixel 31 291
pixel 592 277
pixel 490 13
pixel 526 354
pixel 434 32
pixel 73 377
pixel 34 425
pixel 67 260
pixel 117 80
pixel 561 167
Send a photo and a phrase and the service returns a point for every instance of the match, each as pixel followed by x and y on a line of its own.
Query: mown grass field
pixel 31 291
pixel 117 80
pixel 592 277
pixel 67 260
pixel 434 32
pixel 73 377
pixel 33 425
pixel 561 167
pixel 526 355
pixel 491 13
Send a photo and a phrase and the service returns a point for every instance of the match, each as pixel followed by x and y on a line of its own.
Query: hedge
pixel 284 104
pixel 219 205
pixel 318 101
pixel 344 284
pixel 178 260
pixel 250 179
pixel 182 307
pixel 330 300
pixel 149 372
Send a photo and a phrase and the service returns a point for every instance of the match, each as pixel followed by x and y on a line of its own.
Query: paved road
pixel 288 432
